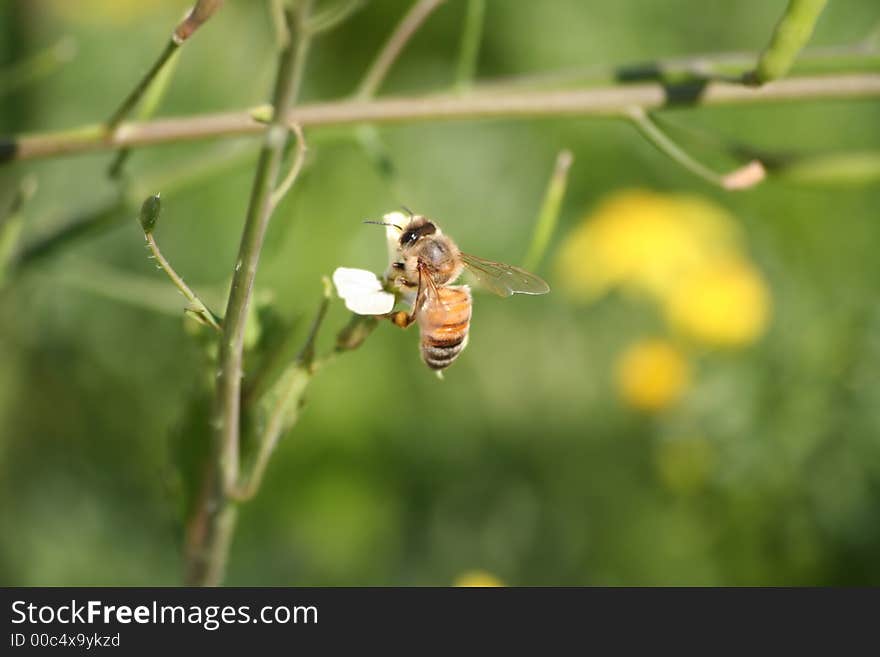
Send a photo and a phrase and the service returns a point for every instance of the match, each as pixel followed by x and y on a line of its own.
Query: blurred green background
pixel 529 462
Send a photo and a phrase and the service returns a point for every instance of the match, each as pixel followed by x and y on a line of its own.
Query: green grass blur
pixel 524 462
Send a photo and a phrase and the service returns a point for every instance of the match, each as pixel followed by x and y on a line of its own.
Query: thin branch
pixel 150 102
pixel 603 101
pixel 852 168
pixel 197 307
pixel 332 17
pixel 141 88
pixel 789 36
pixel 548 215
pixel 291 388
pixel 469 51
pixel 862 56
pixel 256 223
pixel 721 67
pixel 201 12
pixel 832 169
pixel 299 159
pixel 148 217
pixel 212 526
pixel 742 178
pixel 279 23
pixel 408 26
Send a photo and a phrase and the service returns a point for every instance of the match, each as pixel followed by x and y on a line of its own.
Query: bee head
pixel 418 228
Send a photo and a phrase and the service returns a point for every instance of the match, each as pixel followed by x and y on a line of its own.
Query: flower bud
pixel 150 213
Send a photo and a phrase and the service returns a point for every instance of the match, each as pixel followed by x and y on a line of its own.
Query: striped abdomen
pixel 443 321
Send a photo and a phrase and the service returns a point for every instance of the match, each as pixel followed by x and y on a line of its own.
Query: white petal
pixel 392 234
pixel 376 303
pixel 362 291
pixel 350 278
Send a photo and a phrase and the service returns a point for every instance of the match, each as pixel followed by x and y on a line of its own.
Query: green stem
pixel 279 23
pixel 332 17
pixel 142 86
pixel 291 389
pixel 195 18
pixel 197 307
pixel 151 100
pixel 401 35
pixel 469 52
pixel 652 132
pixel 790 35
pixel 298 160
pixel 213 522
pixel 256 223
pixel 549 213
pixel 741 178
pixel 511 104
pixel 859 168
pixel 862 56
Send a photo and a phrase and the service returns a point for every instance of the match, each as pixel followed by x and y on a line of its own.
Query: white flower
pixel 362 291
pixel 395 222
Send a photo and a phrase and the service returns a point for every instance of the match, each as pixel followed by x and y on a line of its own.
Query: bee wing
pixel 503 279
pixel 427 294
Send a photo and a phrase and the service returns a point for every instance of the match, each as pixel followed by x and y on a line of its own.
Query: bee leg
pixel 403 319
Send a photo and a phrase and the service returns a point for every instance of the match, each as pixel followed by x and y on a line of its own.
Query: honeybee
pixel 429 262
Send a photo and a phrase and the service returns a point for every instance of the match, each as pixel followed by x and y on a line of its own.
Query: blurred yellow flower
pixel 725 303
pixel 477 578
pixel 685 464
pixel 645 241
pixel 652 375
pixel 683 251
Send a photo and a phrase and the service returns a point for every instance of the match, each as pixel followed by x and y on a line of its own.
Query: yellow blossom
pixel 479 578
pixel 645 241
pixel 725 303
pixel 652 375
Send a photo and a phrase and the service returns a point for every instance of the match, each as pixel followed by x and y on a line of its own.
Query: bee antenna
pixel 409 212
pixel 383 223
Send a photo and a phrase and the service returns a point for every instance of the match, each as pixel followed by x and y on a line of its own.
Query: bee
pixel 429 262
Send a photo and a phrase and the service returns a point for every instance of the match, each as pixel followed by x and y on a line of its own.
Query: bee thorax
pixel 435 253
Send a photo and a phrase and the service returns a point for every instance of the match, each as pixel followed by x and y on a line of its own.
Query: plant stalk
pixel 612 101
pixel 408 26
pixel 212 527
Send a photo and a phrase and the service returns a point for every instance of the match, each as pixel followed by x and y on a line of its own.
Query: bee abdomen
pixel 438 351
pixel 444 323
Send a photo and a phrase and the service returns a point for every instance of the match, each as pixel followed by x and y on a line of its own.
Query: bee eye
pixel 408 237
